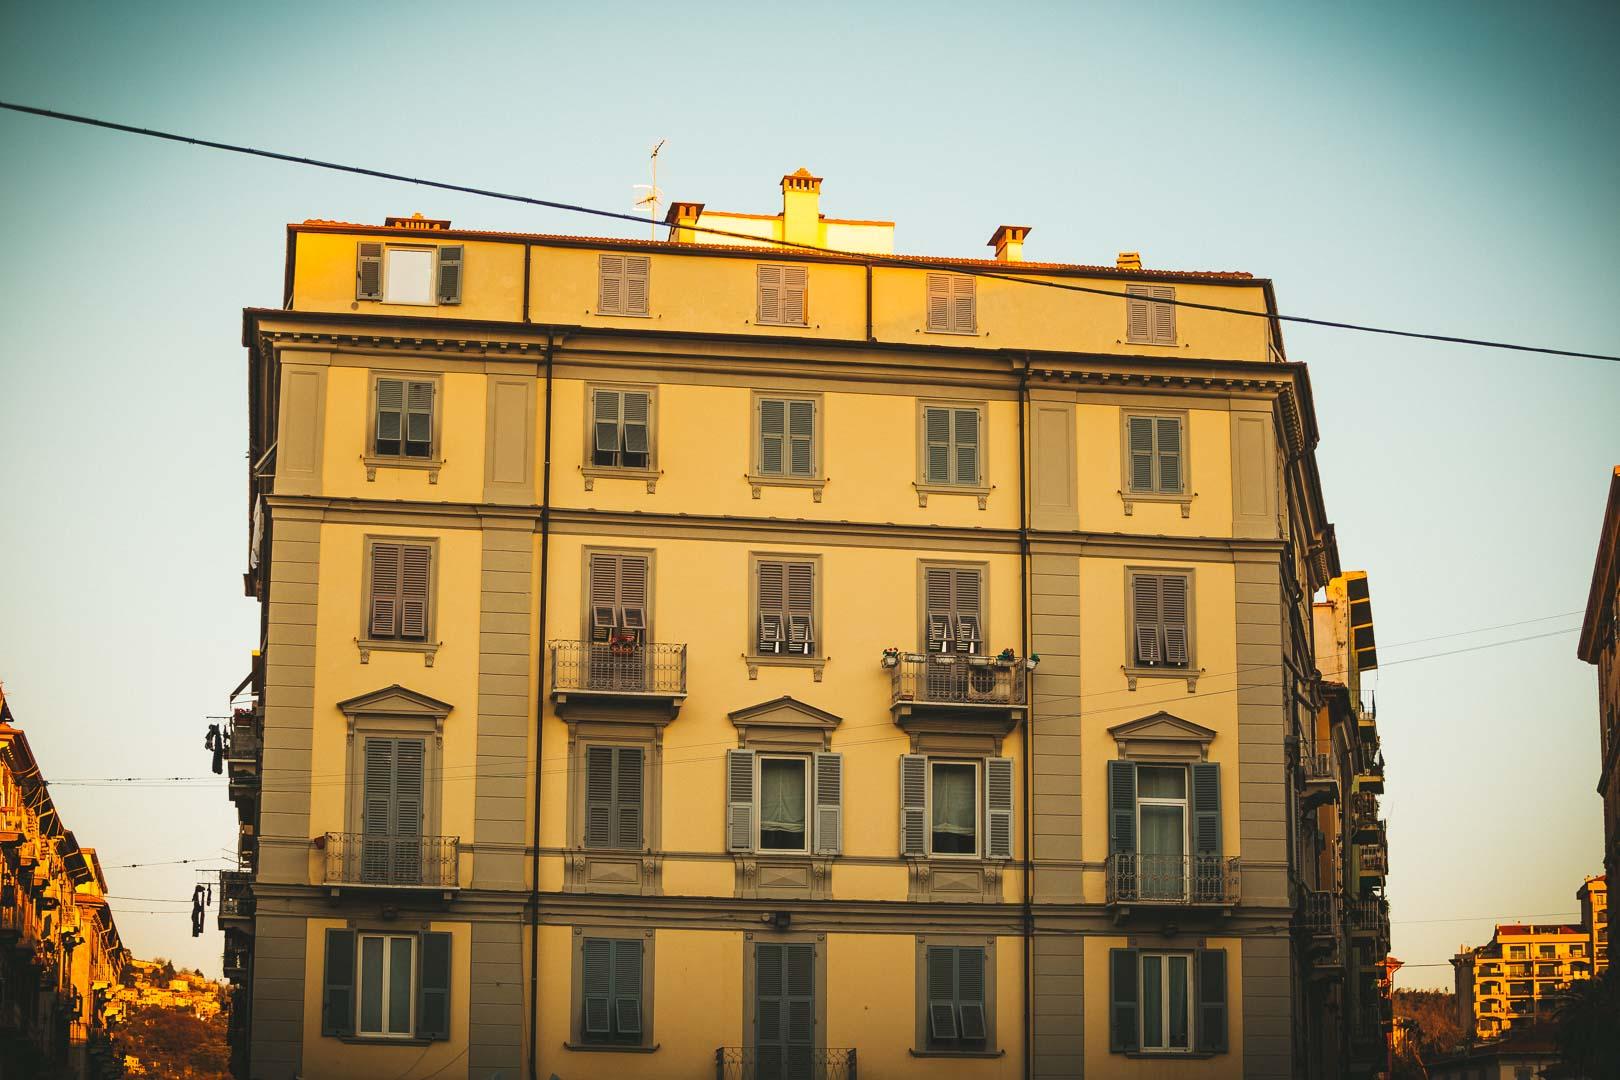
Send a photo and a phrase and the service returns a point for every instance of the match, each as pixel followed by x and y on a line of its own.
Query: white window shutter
pixel 1164 315
pixel 1138 322
pixel 770 294
pixel 939 302
pixel 636 269
pixel 829 804
pixel 794 282
pixel 740 800
pixel 964 304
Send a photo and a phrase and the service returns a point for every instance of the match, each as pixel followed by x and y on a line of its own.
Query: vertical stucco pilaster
pixel 495 1029
pixel 279 943
pixel 1059 1004
pixel 504 693
pixel 1268 1002
pixel 1055 781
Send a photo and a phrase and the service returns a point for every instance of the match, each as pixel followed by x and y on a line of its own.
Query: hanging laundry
pixel 198 896
pixel 215 741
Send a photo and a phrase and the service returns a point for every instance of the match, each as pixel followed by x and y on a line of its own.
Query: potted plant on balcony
pixel 621 644
pixel 1006 657
pixel 891 657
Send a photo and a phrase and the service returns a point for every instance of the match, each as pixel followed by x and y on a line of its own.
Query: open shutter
pixel 596 987
pixel 604 596
pixel 739 800
pixel 942 993
pixel 337 997
pixel 801 607
pixel 633 595
pixel 794 279
pixel 829 804
pixel 913 805
pixel 385 569
pixel 998 800
pixel 368 272
pixel 939 302
pixel 770 294
pixel 970 994
pixel 1211 1016
pixel 416 562
pixel 937 445
pixel 610 284
pixel 1173 612
pixel 966 608
pixel 405 865
pixel 598 796
pixel 939 599
pixel 433 1001
pixel 1168 448
pixel 419 419
pixel 772 436
pixel 1122 808
pixel 627 987
pixel 390 417
pixel 1145 618
pixel 627 797
pixel 965 446
pixel 450 258
pixel 605 442
pixel 637 438
pixel 1122 966
pixel 1163 315
pixel 635 284
pixel 1138 322
pixel 964 304
pixel 1206 808
pixel 1140 440
pixel 772 602
pixel 801 426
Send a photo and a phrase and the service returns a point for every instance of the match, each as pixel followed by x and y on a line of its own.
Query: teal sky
pixel 1444 166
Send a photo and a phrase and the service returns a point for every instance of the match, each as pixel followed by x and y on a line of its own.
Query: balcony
pixel 1321 779
pixel 1369 918
pixel 391 862
pixel 789 1063
pixel 235 897
pixel 238 959
pixel 1364 824
pixel 1373 859
pixel 1172 880
pixel 1370 767
pixel 958 687
pixel 1322 913
pixel 647 676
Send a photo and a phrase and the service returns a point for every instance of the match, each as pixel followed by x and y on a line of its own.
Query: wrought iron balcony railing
pixel 1369 917
pixel 783 1063
pixel 1318 768
pixel 1172 879
pixel 593 667
pixel 235 894
pixel 1322 913
pixel 1375 859
pixel 958 679
pixel 421 862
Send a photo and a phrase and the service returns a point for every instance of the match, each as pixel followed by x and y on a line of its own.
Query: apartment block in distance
pixel 1600 647
pixel 705 657
pixel 1516 976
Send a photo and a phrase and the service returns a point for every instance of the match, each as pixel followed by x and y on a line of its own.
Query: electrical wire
pixel 856 257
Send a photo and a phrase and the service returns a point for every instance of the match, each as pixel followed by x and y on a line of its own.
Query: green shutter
pixel 627 813
pixel 596 986
pixel 598 796
pixel 450 258
pixel 390 439
pixel 942 994
pixel 784 1010
pixel 418 419
pixel 1139 439
pixel 1173 619
pixel 627 989
pixel 1167 447
pixel 433 1003
pixel 970 1011
pixel 937 445
pixel 1121 808
pixel 1206 808
pixel 1122 965
pixel 1211 1015
pixel 801 427
pixel 337 997
pixel 772 436
pixel 965 445
pixel 368 272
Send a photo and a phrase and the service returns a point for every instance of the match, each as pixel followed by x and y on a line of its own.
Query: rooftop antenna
pixel 651 198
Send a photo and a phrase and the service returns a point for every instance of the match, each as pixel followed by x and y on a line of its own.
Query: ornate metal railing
pixel 958 679
pixel 409 861
pixel 1364 811
pixel 1369 917
pixel 1317 767
pixel 783 1063
pixel 598 667
pixel 235 894
pixel 1375 858
pixel 1322 913
pixel 1172 879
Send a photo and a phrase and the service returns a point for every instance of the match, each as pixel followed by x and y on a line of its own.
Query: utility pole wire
pixel 873 259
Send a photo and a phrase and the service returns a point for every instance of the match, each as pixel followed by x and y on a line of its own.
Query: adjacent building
pixel 1600 646
pixel 710 656
pixel 1594 899
pixel 60 955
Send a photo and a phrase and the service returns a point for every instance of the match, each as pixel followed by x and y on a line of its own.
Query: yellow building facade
pixel 698 657
pixel 1517 976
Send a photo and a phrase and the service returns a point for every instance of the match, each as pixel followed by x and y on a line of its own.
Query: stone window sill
pixel 384 1040
pixel 1153 344
pixel 428 649
pixel 1191 674
pixel 981 493
pixel 1183 498
pixel 814 483
pixel 431 465
pixel 816 664
pixel 593 473
pixel 611 1048
pixel 957 1053
pixel 1168 1055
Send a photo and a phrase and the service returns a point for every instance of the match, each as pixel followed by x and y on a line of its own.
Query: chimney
pixel 418 222
pixel 1129 260
pixel 1008 241
pixel 682 218
pixel 801 208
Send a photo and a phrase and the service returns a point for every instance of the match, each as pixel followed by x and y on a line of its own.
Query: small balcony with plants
pixel 960 682
pixel 1365 826
pixel 619 670
pixel 1370 765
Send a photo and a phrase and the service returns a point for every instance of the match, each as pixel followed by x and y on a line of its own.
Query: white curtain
pixel 954 800
pixel 781 796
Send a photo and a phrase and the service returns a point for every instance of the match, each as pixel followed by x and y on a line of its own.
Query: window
pixel 785 606
pixel 1549 950
pixel 785 1009
pixel 622 284
pixel 956 1011
pixel 617 621
pixel 1516 952
pixel 613 786
pixel 953 609
pixel 391 846
pixel 1161 824
pixel 1154 452
pixel 408 274
pixel 398 606
pixel 1577 950
pixel 611 990
pixel 1159 621
pixel 386 985
pixel 403 423
pixel 786 446
pixel 951 440
pixel 1157 813
pixel 1148 320
pixel 945 813
pixel 1167 1002
pixel 621 429
pixel 952 304
pixel 782 295
pixel 784 802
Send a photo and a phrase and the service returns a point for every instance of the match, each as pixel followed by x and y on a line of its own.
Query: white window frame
pixel 431 298
pixel 360 939
pixel 1184 803
pixel 978 809
pixel 759 806
pixel 1164 1003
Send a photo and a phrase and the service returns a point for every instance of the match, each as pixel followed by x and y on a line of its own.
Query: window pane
pixel 1152 1003
pixel 955 805
pixel 781 804
pixel 399 985
pixel 1163 870
pixel 1161 783
pixel 371 983
pixel 1178 1001
pixel 410 276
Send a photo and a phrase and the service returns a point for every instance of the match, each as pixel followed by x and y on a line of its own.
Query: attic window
pixel 409 277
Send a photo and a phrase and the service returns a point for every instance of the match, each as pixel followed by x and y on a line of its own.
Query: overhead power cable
pixel 858 257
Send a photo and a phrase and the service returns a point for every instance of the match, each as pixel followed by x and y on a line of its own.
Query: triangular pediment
pixel 785 711
pixel 1162 734
pixel 395 700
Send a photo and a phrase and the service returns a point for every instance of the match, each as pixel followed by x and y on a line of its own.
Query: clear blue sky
pixel 1447 166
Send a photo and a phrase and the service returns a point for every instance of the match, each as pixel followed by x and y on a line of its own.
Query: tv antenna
pixel 650 198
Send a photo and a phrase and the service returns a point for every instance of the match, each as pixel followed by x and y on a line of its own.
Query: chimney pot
pixel 682 219
pixel 1008 240
pixel 1129 260
pixel 801 208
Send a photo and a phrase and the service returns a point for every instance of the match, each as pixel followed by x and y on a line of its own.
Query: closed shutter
pixel 1206 808
pixel 829 803
pixel 913 805
pixel 998 799
pixel 618 599
pixel 952 303
pixel 1145 618
pixel 636 268
pixel 794 280
pixel 390 441
pixel 1122 994
pixel 739 800
pixel 965 446
pixel 1138 322
pixel 770 294
pixel 1140 444
pixel 939 302
pixel 337 996
pixel 405 864
pixel 964 305
pixel 1173 612
pixel 450 258
pixel 785 1013
pixel 968 608
pixel 385 575
pixel 596 988
pixel 1168 431
pixel 416 562
pixel 610 284
pixel 628 814
pixel 627 989
pixel 377 824
pixel 419 419
pixel 772 436
pixel 599 796
pixel 1121 808
pixel 433 1001
pixel 970 995
pixel 801 427
pixel 1211 1016
pixel 937 445
pixel 368 272
pixel 942 994
pixel 1164 315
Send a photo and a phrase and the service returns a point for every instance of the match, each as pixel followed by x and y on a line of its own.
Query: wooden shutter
pixel 940 608
pixel 418 419
pixel 1145 618
pixel 801 428
pixel 450 258
pixel 337 996
pixel 610 285
pixel 637 411
pixel 390 440
pixel 913 805
pixel 784 1009
pixel 1139 438
pixel 970 994
pixel 937 445
pixel 627 809
pixel 627 987
pixel 596 987
pixel 967 610
pixel 618 594
pixel 772 436
pixel 965 446
pixel 599 815
pixel 385 573
pixel 605 441
pixel 942 994
pixel 636 268
pixel 829 770
pixel 770 294
pixel 1122 994
pixel 801 990
pixel 416 561
pixel 964 304
pixel 1121 808
pixel 1206 808
pixel 433 988
pixel 1163 315
pixel 1173 613
pixel 801 607
pixel 1168 451
pixel 368 272
pixel 1138 321
pixel 405 861
pixel 939 302
pixel 739 800
pixel 998 801
pixel 633 594
pixel 794 279
pixel 1210 976
pixel 772 604
pixel 376 813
